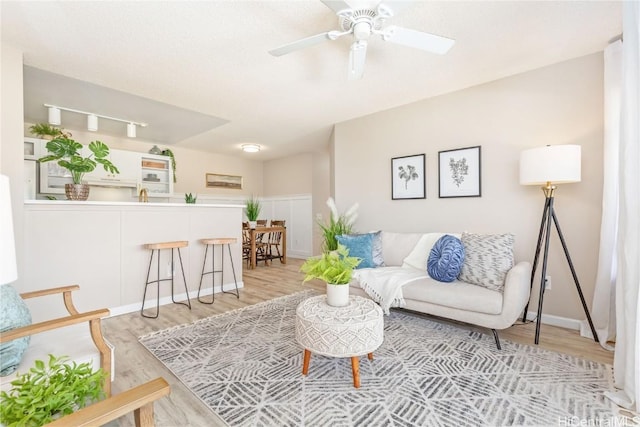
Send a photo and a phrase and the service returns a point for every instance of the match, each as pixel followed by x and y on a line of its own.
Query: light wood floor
pixel 135 365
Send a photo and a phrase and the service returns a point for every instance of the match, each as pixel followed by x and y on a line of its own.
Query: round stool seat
pixel 167 245
pixel 219 241
pixel 353 330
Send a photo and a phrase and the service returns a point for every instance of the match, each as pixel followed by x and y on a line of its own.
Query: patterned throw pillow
pixel 14 314
pixel 446 258
pixel 488 259
pixel 367 247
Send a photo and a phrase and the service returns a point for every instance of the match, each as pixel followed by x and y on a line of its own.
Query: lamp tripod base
pixel 549 215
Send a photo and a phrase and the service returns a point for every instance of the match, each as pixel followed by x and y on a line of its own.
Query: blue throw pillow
pixel 367 247
pixel 446 259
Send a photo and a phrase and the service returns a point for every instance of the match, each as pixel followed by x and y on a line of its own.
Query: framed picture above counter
pixel 214 180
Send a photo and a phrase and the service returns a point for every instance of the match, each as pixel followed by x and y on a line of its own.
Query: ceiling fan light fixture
pixel 250 148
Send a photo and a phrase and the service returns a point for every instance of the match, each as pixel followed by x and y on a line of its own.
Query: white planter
pixel 253 224
pixel 337 295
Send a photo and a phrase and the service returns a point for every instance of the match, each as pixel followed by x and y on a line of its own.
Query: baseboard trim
pixel 130 308
pixel 562 322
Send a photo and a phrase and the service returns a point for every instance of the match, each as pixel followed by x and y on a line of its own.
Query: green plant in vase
pixel 253 208
pixel 338 224
pixel 49 391
pixel 190 198
pixel 336 269
pixel 68 154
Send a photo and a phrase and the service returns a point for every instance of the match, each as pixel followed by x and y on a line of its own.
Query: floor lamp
pixel 547 166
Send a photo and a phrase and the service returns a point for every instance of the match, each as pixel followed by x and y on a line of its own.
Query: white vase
pixel 337 295
pixel 253 224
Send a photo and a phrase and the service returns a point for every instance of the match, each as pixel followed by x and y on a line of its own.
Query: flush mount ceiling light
pixel 92 119
pixel 250 148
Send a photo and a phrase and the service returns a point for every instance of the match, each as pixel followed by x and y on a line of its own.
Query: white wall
pixel 559 104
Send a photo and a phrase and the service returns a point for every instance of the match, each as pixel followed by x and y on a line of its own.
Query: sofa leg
pixel 495 335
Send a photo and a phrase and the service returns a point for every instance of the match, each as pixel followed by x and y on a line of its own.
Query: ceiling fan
pixel 362 23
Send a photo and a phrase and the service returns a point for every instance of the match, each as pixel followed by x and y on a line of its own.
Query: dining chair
pixel 275 240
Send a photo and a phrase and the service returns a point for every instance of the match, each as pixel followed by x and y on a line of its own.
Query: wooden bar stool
pixel 158 247
pixel 213 242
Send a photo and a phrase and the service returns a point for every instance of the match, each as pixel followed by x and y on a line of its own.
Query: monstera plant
pixel 68 154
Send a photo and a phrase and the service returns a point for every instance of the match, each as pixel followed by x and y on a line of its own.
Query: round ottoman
pixel 350 331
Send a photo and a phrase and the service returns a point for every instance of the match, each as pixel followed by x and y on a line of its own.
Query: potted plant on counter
pixel 67 153
pixel 253 211
pixel 335 268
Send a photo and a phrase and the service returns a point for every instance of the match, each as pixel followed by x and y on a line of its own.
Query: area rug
pixel 246 366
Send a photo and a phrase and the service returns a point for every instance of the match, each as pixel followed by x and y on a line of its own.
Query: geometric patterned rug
pixel 247 367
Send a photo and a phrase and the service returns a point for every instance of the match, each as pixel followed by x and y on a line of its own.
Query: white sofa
pixel 457 300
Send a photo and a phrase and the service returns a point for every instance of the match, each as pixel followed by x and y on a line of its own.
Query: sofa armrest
pixel 139 400
pixel 516 292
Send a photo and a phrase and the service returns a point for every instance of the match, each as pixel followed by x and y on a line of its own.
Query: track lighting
pixel 92 122
pixel 54 116
pixel 131 130
pixel 92 119
pixel 250 148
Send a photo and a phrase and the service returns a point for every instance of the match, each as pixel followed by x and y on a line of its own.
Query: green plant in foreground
pixel 253 208
pixel 335 267
pixel 190 198
pixel 49 391
pixel 67 152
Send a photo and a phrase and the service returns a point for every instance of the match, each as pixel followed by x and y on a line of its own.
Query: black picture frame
pixel 408 177
pixel 459 172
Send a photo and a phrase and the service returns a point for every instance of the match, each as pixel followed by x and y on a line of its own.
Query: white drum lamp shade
pixel 8 268
pixel 555 164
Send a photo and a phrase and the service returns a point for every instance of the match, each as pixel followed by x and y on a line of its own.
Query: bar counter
pixel 99 246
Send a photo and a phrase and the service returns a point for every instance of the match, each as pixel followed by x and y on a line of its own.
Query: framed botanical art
pixel 408 177
pixel 459 172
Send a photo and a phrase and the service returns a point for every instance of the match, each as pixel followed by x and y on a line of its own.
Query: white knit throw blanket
pixel 384 284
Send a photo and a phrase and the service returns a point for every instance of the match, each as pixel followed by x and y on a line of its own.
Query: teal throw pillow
pixel 367 247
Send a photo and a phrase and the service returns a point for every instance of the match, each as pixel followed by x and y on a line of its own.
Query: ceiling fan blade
pixel 300 44
pixel 417 39
pixel 357 56
pixel 336 5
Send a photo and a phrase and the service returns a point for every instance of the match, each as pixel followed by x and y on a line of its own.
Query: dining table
pixel 264 231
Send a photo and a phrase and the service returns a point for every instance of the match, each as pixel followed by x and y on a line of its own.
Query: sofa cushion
pixel 367 247
pixel 396 246
pixel 488 259
pixel 457 294
pixel 445 259
pixel 417 258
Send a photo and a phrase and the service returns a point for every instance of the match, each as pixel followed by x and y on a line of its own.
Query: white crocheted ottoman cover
pixel 352 330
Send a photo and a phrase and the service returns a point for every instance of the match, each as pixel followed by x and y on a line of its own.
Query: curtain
pixel 603 307
pixel 626 363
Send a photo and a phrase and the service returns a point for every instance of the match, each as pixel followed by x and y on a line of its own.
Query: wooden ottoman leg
pixel 305 364
pixel 370 356
pixel 355 368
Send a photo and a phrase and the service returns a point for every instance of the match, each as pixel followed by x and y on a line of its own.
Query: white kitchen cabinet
pixel 156 175
pixel 127 162
pixel 34 148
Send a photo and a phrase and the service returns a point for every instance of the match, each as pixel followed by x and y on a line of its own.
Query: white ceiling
pixel 210 59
